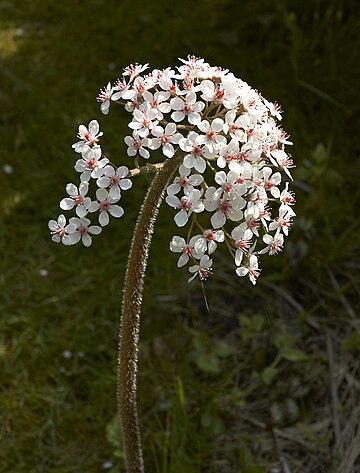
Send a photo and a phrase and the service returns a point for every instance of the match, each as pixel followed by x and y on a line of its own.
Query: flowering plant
pixel 223 140
pixel 233 158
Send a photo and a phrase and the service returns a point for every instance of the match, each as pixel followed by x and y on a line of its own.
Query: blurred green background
pixel 268 380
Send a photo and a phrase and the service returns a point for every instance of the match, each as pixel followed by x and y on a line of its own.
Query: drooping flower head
pixel 231 189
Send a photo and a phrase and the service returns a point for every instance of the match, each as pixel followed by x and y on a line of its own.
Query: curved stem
pixel 130 316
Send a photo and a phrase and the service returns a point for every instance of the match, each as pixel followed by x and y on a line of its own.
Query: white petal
pixel 103 182
pixel 94 127
pixel 68 240
pixel 104 107
pixel 168 150
pixel 184 258
pixel 103 218
pixel 102 194
pixel 95 230
pixel 196 179
pixel 116 211
pixel 114 193
pixel 217 124
pixel 173 189
pixel 67 203
pixel 83 188
pixel 172 201
pixel 122 171
pixel 242 271
pixel 200 246
pixel 200 164
pixel 181 218
pixel 238 257
pixel 71 189
pixel 144 153
pixel 178 116
pixel 80 211
pixel 86 239
pixel 170 129
pixel 218 219
pixel 211 247
pixel 94 206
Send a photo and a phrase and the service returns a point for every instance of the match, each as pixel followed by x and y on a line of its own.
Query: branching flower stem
pixel 130 317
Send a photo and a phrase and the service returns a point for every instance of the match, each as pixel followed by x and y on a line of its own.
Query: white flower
pixel 136 145
pixel 203 269
pixel 139 87
pixel 91 165
pixel 234 126
pixel 271 181
pixel 190 202
pixel 164 77
pixel 212 139
pixel 281 159
pixel 158 102
pixel 107 206
pixel 228 153
pixel 242 240
pixel 207 241
pixel 106 95
pixel 283 222
pixel 274 243
pixel 179 245
pixel 274 109
pixel 134 70
pixel 60 230
pixel 88 136
pixel 77 198
pixel 81 229
pixel 225 94
pixel 252 270
pixel 196 151
pixel 212 92
pixel 184 181
pixel 230 186
pixel 188 107
pixel 165 138
pixel 287 199
pixel 226 207
pixel 116 180
pixel 251 223
pixel 144 119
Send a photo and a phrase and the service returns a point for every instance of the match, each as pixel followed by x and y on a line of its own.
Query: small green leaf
pixel 209 363
pixel 284 340
pixel 222 349
pixel 251 326
pixel 200 342
pixel 352 342
pixel 113 433
pixel 247 463
pixel 269 374
pixel 293 354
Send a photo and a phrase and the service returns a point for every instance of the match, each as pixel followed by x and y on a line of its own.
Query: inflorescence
pixel 229 188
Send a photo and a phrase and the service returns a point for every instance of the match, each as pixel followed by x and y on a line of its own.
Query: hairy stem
pixel 130 316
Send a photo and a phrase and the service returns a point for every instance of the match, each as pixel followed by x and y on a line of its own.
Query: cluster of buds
pixel 229 188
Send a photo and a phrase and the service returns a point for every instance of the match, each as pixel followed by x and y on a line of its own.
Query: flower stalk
pixel 130 316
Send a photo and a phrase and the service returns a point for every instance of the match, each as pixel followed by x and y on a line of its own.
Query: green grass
pixel 212 385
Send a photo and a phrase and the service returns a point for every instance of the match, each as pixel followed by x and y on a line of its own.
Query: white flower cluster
pixel 110 181
pixel 233 166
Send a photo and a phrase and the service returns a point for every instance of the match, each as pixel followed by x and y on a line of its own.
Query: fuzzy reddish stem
pixel 130 316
